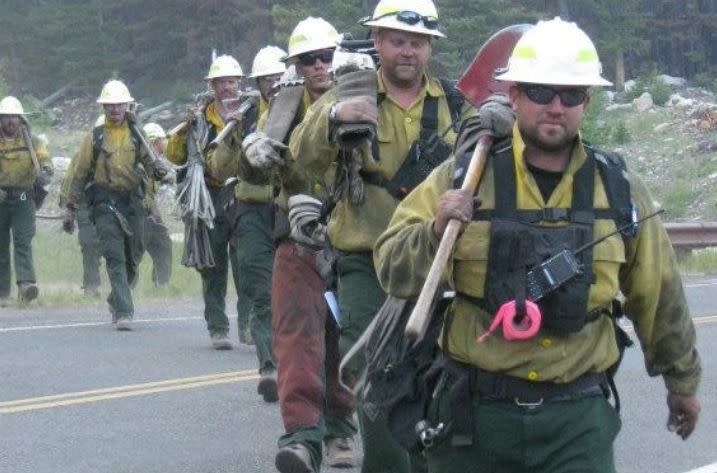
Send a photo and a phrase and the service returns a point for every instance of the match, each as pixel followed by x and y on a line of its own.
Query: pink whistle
pixel 525 329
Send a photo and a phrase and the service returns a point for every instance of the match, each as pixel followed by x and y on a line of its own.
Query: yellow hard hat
pixel 415 16
pixel 224 66
pixel 268 61
pixel 312 34
pixel 11 106
pixel 114 91
pixel 555 52
pixel 154 131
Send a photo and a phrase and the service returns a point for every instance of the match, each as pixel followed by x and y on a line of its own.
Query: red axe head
pixel 478 81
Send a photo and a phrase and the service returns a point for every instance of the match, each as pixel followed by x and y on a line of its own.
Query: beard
pixel 533 139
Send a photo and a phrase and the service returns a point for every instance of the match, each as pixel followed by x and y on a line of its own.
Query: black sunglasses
pixel 412 18
pixel 308 59
pixel 543 95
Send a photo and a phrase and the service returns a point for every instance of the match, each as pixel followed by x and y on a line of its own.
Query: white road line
pixel 705 469
pixel 703 283
pixel 95 324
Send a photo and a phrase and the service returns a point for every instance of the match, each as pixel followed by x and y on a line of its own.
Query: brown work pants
pixel 305 343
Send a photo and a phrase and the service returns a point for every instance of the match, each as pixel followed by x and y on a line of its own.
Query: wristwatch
pixel 332 114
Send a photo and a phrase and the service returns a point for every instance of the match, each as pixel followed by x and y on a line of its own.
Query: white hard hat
pixel 415 16
pixel 311 34
pixel 555 52
pixel 268 61
pixel 11 106
pixel 224 66
pixel 154 131
pixel 114 91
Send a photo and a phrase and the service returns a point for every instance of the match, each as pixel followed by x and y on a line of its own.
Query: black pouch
pixel 423 157
pixel 401 375
pixel 38 194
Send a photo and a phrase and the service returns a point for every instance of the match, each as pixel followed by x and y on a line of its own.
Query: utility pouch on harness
pixel 425 154
pixel 400 376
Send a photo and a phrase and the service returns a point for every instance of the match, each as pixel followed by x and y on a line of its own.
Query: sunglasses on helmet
pixel 308 59
pixel 543 95
pixel 412 18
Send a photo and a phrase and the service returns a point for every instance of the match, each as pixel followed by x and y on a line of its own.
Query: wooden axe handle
pixel 420 316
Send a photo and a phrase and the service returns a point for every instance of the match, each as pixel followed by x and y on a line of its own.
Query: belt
pixel 533 393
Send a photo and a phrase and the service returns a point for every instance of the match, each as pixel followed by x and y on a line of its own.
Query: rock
pixel 618 106
pixel 629 85
pixel 673 82
pixel 662 127
pixel 643 103
pixel 60 163
pixel 676 100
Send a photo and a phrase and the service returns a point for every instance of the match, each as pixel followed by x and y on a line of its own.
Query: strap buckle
pixel 23 196
pixel 529 405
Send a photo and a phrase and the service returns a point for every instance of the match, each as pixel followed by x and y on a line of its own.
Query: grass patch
pixel 58 264
pixel 702 261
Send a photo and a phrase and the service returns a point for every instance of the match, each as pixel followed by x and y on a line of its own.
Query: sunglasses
pixel 412 18
pixel 308 59
pixel 543 95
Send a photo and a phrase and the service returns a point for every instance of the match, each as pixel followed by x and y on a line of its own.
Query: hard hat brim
pixel 266 73
pixel 311 48
pixel 555 79
pixel 101 101
pixel 392 23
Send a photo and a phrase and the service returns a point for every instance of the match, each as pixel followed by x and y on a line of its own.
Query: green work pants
pixel 90 248
pixel 360 297
pixel 17 224
pixel 121 251
pixel 214 280
pixel 254 253
pixel 159 246
pixel 567 436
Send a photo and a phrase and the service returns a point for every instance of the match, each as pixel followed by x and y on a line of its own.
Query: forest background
pixel 162 48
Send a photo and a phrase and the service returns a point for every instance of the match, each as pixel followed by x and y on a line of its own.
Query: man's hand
pixel 68 221
pixel 45 175
pixel 496 117
pixel 454 204
pixel 161 169
pixel 684 411
pixel 356 110
pixel 263 152
pixel 190 116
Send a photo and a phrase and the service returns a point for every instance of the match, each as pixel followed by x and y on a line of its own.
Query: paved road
pixel 76 397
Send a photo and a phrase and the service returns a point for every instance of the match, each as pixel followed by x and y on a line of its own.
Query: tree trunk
pixel 620 70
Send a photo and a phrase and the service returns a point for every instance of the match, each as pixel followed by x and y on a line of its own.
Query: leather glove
pixel 263 152
pixel 161 169
pixel 44 176
pixel 190 115
pixel 496 116
pixel 3 196
pixel 304 216
pixel 131 117
pixel 68 221
pixel 454 204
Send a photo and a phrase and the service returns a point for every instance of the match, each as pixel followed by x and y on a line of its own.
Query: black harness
pixel 426 153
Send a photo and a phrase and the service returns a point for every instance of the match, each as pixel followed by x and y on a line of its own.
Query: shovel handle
pixel 420 316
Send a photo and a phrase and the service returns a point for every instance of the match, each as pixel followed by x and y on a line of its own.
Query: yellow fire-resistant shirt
pixel 16 167
pixel 356 227
pixel 643 268
pixel 114 168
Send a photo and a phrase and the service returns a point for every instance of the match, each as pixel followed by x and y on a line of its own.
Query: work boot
pixel 245 336
pixel 123 322
pixel 221 341
pixel 340 452
pixel 267 385
pixel 27 291
pixel 294 458
pixel 91 291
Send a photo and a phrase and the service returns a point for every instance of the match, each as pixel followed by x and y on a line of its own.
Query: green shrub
pixel 621 135
pixel 656 87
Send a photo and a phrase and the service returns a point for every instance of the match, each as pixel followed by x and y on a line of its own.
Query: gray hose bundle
pixel 195 201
